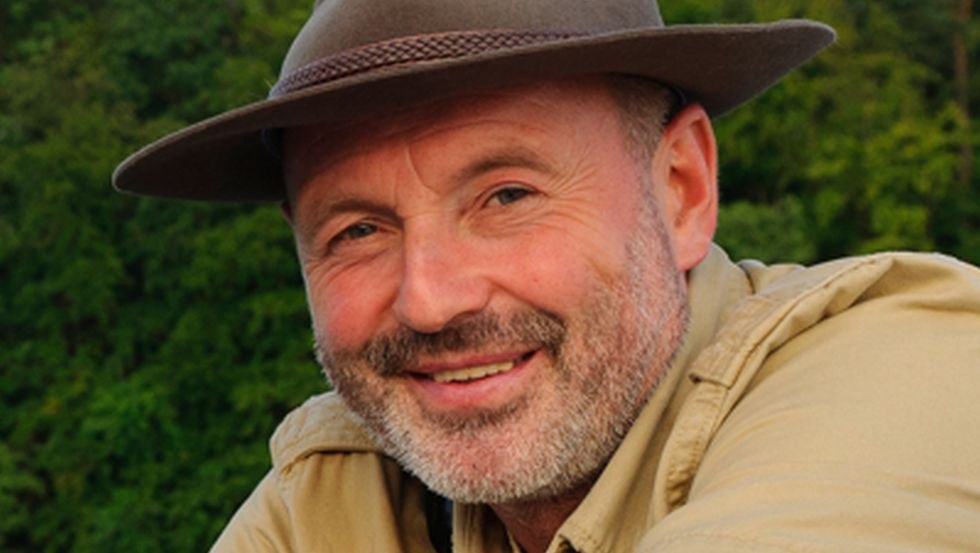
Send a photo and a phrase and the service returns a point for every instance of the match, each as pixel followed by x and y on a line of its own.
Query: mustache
pixel 398 351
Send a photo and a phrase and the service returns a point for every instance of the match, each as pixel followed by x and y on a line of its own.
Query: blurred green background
pixel 148 348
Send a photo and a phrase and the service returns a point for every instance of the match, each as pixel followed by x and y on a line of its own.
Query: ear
pixel 287 211
pixel 685 184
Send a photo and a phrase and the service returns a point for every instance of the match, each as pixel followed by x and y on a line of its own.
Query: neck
pixel 533 524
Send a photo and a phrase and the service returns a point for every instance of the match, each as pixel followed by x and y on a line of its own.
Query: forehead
pixel 547 106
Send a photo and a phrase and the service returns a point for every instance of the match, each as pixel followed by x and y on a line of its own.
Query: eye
pixel 509 195
pixel 355 232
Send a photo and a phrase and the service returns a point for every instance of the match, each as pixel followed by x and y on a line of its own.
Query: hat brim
pixel 223 158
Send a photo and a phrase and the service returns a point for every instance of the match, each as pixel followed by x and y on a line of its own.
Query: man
pixel 503 215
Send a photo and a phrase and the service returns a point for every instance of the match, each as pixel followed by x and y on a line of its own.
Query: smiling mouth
pixel 476 372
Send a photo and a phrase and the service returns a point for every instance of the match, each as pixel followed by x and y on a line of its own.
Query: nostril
pixel 430 306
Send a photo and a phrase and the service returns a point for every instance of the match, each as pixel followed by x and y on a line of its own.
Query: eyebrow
pixel 514 156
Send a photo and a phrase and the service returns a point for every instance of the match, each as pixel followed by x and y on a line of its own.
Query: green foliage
pixel 770 233
pixel 143 361
pixel 148 348
pixel 866 138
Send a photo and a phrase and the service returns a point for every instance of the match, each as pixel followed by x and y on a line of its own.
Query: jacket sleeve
pixel 860 434
pixel 261 524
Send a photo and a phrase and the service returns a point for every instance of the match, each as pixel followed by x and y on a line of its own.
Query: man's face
pixel 492 290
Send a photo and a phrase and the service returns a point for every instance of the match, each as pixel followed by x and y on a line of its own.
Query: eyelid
pixel 343 212
pixel 331 236
pixel 494 191
pixel 342 235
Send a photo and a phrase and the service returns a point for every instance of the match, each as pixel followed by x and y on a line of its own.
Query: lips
pixel 477 371
pixel 472 373
pixel 470 385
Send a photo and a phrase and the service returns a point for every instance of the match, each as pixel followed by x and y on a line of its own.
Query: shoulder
pixel 883 372
pixel 896 317
pixel 323 424
pixel 846 414
pixel 861 299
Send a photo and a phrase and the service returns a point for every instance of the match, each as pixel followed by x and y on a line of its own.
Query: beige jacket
pixel 835 408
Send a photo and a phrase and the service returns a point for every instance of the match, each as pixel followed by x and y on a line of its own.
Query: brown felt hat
pixel 355 57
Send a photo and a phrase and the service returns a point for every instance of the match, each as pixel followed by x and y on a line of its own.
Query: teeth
pixel 472 373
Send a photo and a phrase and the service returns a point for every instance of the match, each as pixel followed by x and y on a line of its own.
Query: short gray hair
pixel 645 108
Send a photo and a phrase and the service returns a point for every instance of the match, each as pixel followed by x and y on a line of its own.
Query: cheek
pixel 554 270
pixel 349 308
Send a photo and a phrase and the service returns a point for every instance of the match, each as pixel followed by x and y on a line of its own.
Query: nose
pixel 441 281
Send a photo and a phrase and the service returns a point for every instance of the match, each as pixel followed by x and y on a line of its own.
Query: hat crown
pixel 336 26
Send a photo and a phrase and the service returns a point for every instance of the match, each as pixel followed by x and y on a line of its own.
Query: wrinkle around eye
pixel 323 266
pixel 355 243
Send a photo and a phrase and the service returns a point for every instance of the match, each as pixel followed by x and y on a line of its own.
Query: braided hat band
pixel 412 49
